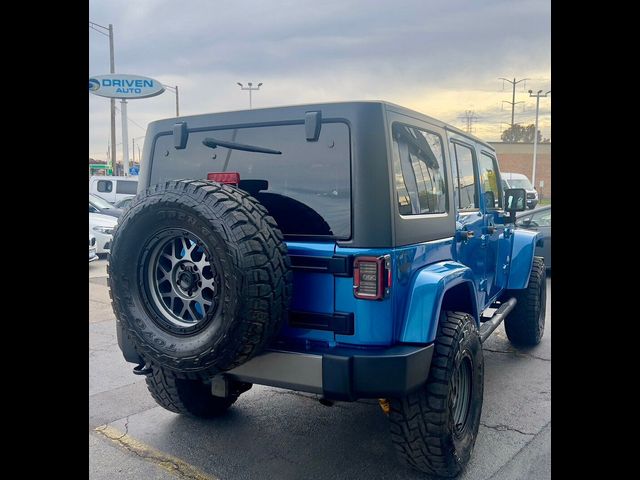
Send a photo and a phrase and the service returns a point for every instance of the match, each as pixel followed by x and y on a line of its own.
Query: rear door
pixel 306 187
pixel 470 221
pixel 105 189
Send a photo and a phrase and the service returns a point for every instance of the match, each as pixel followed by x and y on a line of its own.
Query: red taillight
pixel 369 277
pixel 230 178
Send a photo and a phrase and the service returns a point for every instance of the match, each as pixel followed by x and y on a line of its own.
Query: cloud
pixel 439 57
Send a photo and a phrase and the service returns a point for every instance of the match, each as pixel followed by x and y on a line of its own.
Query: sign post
pixel 125 138
pixel 124 86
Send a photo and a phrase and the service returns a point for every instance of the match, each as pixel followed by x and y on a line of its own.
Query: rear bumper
pixel 341 373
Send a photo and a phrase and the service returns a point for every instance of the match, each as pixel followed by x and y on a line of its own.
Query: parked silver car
pixel 92 248
pixel 102 227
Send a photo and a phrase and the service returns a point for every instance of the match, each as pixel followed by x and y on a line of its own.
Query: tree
pixel 518 133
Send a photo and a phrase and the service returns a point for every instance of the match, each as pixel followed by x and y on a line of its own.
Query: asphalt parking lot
pixel 274 433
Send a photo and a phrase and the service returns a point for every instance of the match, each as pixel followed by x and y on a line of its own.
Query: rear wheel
pixel 525 324
pixel 435 428
pixel 190 397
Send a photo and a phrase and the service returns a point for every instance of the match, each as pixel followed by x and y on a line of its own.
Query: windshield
pixel 99 202
pixel 520 183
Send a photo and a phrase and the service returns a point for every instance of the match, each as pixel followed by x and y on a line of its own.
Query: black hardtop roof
pixel 259 114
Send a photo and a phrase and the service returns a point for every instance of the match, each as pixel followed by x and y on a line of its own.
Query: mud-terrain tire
pixel 189 397
pixel 199 277
pixel 525 324
pixel 434 429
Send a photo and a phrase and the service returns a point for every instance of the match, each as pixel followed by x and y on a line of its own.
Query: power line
pixel 132 121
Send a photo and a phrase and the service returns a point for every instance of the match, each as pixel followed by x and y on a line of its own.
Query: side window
pixel 127 186
pixel 488 170
pixel 419 173
pixel 465 183
pixel 105 186
pixel 542 219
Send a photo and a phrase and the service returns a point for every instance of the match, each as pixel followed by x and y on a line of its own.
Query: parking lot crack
pixel 516 353
pixel 502 428
pixel 145 452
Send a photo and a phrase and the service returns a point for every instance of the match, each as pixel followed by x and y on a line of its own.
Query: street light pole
pixel 112 102
pixel 175 90
pixel 177 103
pixel 535 133
pixel 250 88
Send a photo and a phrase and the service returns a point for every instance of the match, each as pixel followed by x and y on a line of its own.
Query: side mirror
pixel 515 200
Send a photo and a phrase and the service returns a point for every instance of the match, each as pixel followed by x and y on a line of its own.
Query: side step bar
pixel 490 325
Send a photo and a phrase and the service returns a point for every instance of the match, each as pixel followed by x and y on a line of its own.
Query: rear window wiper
pixel 213 143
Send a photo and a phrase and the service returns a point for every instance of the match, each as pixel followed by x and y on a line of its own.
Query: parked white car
pixel 92 248
pixel 101 226
pixel 113 188
pixel 518 180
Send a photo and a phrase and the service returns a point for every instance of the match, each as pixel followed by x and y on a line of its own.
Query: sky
pixel 443 58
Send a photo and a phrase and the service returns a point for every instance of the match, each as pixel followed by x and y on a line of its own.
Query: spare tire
pixel 199 277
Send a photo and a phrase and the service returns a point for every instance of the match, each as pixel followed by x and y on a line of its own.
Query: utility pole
pixel 535 134
pixel 470 117
pixel 513 96
pixel 112 69
pixel 250 88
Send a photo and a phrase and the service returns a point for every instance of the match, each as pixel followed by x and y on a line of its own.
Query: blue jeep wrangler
pixel 353 250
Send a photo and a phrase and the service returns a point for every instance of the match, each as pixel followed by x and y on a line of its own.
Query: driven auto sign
pixel 124 86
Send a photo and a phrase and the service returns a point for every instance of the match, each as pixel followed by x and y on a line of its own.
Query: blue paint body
pixel 422 275
pixel 524 244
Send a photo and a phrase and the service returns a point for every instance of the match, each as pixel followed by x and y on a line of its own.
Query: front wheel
pixel 434 429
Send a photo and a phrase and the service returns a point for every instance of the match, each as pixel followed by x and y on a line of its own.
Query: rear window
pixel 105 186
pixel 126 186
pixel 306 188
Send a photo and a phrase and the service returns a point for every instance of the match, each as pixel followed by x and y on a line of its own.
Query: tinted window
pixel 419 171
pixel 126 186
pixel 488 172
pixel 307 188
pixel 465 189
pixel 105 186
